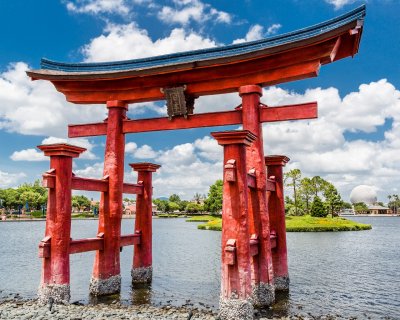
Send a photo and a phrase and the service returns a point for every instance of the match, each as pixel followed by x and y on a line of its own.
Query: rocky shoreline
pixel 31 309
pixel 17 308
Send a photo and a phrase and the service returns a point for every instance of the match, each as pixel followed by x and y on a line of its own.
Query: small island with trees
pixel 313 206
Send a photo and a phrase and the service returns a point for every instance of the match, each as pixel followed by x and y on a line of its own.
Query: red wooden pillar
pixel 54 248
pixel 106 278
pixel 236 290
pixel 142 270
pixel 262 268
pixel 276 206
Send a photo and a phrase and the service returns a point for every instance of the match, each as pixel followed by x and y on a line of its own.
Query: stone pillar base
pixel 60 293
pixel 142 275
pixel 103 287
pixel 263 295
pixel 282 283
pixel 234 309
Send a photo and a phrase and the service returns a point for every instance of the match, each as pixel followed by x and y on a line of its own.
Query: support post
pixel 55 279
pixel 236 290
pixel 262 268
pixel 106 278
pixel 276 206
pixel 142 270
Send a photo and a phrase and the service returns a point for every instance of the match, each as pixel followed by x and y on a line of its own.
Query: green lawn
pixel 302 224
pixel 203 218
pixel 167 215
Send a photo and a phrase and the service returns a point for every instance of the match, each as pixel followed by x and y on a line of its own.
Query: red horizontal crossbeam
pixel 89 184
pixel 85 245
pixel 132 188
pixel 130 239
pixel 212 119
pixel 88 244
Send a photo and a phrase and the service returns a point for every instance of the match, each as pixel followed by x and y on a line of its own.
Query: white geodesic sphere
pixel 363 193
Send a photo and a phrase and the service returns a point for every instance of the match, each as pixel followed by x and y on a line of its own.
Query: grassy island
pixel 295 224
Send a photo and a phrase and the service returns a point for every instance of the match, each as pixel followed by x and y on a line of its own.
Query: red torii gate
pixel 254 255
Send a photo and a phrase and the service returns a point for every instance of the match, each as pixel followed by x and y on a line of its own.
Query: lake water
pixel 349 274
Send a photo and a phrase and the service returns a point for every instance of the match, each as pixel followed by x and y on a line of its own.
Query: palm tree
pixel 294 177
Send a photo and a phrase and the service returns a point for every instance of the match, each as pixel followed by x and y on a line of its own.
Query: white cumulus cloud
pixel 257 32
pixel 36 108
pixel 120 42
pixel 194 10
pixel 340 3
pixel 98 6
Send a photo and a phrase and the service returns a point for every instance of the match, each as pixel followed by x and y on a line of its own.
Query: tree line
pixel 33 197
pixel 201 203
pixel 312 196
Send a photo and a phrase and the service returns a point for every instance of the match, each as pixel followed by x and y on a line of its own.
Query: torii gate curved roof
pixel 292 56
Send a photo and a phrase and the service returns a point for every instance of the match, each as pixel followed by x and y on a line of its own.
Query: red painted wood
pixel 58 219
pixel 212 119
pixel 236 268
pixel 89 184
pixel 273 238
pixel 258 210
pixel 208 86
pixel 251 181
pixel 87 130
pixel 130 239
pixel 291 112
pixel 143 223
pixel 271 184
pixel 322 51
pixel 276 206
pixel 144 85
pixel 130 188
pixel 107 261
pixel 85 245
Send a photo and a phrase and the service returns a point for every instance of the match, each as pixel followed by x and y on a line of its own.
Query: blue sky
pixel 355 140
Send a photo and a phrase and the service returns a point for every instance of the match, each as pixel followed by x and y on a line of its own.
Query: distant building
pixel 130 208
pixel 367 194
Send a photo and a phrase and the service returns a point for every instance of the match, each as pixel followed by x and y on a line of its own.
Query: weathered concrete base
pixel 103 287
pixel 263 295
pixel 142 275
pixel 60 293
pixel 234 309
pixel 282 283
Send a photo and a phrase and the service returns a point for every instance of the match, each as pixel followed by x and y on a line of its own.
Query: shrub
pixel 318 208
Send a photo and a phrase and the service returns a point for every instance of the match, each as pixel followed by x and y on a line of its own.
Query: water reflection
pixel 141 293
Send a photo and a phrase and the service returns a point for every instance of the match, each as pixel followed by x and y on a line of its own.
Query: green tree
pixel 182 205
pixel 173 206
pixel 162 205
pixel 81 202
pixel 333 200
pixel 317 208
pixel 360 207
pixel 213 203
pixel 174 198
pixel 10 199
pixel 292 179
pixel 346 205
pixel 306 193
pixel 32 198
pixel 318 184
pixel 194 207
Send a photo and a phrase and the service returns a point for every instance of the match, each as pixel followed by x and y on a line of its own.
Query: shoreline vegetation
pixel 294 224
